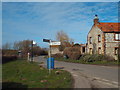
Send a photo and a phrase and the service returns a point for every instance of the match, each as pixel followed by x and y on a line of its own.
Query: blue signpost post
pixel 49 53
pixel 50 60
pixel 50 63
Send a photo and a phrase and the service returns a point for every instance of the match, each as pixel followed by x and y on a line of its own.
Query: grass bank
pixel 23 74
pixel 105 63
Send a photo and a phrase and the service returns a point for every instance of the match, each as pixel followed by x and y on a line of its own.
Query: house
pixel 59 48
pixel 103 38
pixel 82 47
pixel 56 48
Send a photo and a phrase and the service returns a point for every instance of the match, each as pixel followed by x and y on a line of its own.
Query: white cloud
pixel 45 19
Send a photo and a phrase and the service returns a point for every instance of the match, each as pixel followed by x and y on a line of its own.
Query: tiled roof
pixel 109 27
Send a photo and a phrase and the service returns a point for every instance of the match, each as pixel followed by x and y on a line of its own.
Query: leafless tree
pixel 6 46
pixel 26 46
pixel 65 40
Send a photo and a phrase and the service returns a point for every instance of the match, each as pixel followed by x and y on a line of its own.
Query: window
pixel 116 51
pixel 117 36
pixel 90 51
pixel 90 40
pixel 99 38
pixel 83 49
pixel 99 50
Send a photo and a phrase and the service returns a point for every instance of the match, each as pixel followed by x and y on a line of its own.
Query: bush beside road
pixel 91 59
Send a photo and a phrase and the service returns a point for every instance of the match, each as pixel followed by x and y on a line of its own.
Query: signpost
pixel 55 43
pixel 49 53
pixel 50 43
pixel 46 40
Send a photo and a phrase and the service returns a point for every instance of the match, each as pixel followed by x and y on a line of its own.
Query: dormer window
pixel 117 36
pixel 99 38
pixel 90 40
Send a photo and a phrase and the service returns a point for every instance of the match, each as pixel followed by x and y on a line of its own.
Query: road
pixel 88 76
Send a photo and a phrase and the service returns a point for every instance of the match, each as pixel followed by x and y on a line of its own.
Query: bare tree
pixel 65 40
pixel 62 36
pixel 6 46
pixel 26 46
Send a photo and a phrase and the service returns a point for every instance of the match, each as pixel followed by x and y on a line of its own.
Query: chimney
pixel 96 20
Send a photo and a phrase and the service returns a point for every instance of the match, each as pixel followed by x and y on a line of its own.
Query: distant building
pixel 103 38
pixel 82 47
pixel 55 49
pixel 59 49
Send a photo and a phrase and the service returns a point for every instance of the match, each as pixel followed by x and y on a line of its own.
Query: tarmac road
pixel 88 76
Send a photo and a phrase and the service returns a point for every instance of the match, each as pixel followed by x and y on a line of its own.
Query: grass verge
pixel 23 74
pixel 105 63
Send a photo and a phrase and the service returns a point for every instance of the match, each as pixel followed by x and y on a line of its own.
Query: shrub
pixel 6 59
pixel 96 57
pixel 9 52
pixel 72 52
pixel 57 55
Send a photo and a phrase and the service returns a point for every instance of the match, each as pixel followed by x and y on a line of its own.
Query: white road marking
pixel 108 84
pixel 113 83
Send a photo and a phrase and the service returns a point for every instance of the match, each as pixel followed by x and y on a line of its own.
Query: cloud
pixel 44 19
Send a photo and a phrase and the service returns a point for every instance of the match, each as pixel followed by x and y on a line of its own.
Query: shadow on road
pixel 59 68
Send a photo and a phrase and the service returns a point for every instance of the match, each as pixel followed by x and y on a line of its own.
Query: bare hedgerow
pixel 72 52
pixel 96 57
pixel 57 55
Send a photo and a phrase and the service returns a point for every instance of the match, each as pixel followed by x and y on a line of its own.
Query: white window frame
pixel 99 38
pixel 90 40
pixel 117 36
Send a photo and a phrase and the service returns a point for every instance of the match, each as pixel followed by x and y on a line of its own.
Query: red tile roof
pixel 109 27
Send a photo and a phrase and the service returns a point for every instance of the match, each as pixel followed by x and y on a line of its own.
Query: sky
pixel 42 20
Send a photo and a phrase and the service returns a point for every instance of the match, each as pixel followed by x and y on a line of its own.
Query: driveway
pixel 88 76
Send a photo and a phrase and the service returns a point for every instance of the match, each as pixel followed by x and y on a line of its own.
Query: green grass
pixel 107 63
pixel 23 74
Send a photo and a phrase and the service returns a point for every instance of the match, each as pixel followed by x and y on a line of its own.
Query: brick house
pixel 103 38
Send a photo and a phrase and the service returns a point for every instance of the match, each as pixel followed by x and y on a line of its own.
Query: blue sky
pixel 38 20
